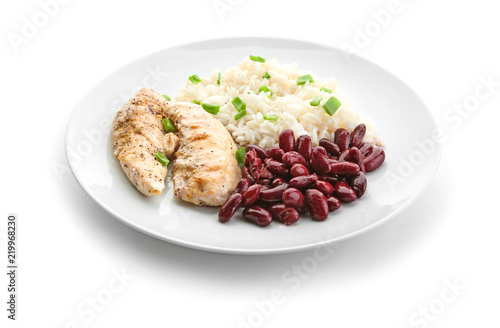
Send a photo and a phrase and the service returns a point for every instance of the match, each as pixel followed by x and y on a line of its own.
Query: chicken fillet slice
pixel 205 170
pixel 137 135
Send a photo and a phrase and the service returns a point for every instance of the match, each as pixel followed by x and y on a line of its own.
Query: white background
pixel 69 247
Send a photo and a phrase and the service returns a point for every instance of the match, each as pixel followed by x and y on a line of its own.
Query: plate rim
pixel 240 251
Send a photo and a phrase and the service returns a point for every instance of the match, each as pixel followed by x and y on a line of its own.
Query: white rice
pixel 291 102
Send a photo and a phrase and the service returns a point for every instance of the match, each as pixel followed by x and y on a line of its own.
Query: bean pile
pixel 279 183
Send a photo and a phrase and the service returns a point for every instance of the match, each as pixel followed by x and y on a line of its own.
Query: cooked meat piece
pixel 170 145
pixel 137 135
pixel 205 169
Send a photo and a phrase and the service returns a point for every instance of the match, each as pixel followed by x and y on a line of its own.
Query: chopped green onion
pixel 325 90
pixel 194 78
pixel 305 78
pixel 168 125
pixel 272 117
pixel 219 75
pixel 162 158
pixel 212 109
pixel 197 102
pixel 240 115
pixel 258 59
pixel 265 89
pixel 240 155
pixel 315 100
pixel 266 76
pixel 239 104
pixel 167 97
pixel 331 105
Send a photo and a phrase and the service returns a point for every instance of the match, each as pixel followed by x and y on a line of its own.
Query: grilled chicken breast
pixel 137 135
pixel 205 169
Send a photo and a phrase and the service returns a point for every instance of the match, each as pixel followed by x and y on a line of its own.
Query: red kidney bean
pixel 289 216
pixel 304 146
pixel 250 158
pixel 356 157
pixel 251 195
pixel 321 150
pixel 344 192
pixel 343 156
pixel 342 138
pixel 275 167
pixel 265 174
pixel 292 158
pixel 278 181
pixel 331 147
pixel 260 152
pixel 243 185
pixel 276 209
pixel 344 168
pixel 227 210
pixel 275 153
pixel 319 161
pixel 283 213
pixel 332 161
pixel 331 179
pixel 333 203
pixel 254 164
pixel 262 188
pixel 273 194
pixel 366 149
pixel 323 186
pixel 357 135
pixel 287 140
pixel 302 181
pixel 264 182
pixel 374 160
pixel 298 170
pixel 245 174
pixel 258 215
pixel 358 183
pixel 318 206
pixel 293 197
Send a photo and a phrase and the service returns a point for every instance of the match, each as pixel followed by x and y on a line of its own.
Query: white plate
pixel 400 116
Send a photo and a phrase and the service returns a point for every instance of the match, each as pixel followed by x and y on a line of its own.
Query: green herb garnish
pixel 162 158
pixel 331 105
pixel 240 155
pixel 266 76
pixel 305 78
pixel 271 117
pixel 239 104
pixel 167 97
pixel 315 101
pixel 325 90
pixel 240 115
pixel 265 89
pixel 197 102
pixel 212 109
pixel 219 75
pixel 194 78
pixel 258 59
pixel 168 125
